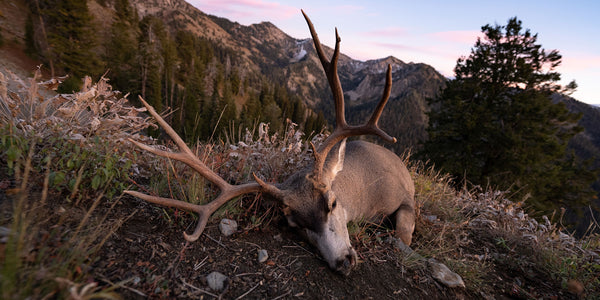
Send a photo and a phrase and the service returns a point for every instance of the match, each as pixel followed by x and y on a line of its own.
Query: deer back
pixel 374 181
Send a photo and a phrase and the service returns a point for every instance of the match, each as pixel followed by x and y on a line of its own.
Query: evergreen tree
pixel 250 112
pixel 121 51
pixel 30 47
pixel 69 32
pixel 226 110
pixel 496 124
pixel 298 111
pixel 150 61
pixel 190 111
pixel 209 114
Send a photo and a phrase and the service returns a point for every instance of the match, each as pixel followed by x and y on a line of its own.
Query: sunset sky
pixel 434 32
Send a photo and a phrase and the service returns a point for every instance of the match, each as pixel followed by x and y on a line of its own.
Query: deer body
pixel 372 182
pixel 347 181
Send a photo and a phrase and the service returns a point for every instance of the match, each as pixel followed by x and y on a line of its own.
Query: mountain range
pixel 266 49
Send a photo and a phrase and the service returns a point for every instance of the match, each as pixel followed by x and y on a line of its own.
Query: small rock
pixel 228 227
pixel 278 238
pixel 262 255
pixel 398 244
pixel 216 281
pixel 441 273
pixel 431 218
pixel 4 233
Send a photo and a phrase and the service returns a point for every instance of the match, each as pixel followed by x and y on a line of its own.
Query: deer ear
pixel 337 162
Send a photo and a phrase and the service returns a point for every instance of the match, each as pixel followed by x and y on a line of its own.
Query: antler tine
pixel 342 129
pixel 330 68
pixel 387 90
pixel 188 157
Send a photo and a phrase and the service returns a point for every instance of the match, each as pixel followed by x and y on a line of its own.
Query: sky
pixel 434 32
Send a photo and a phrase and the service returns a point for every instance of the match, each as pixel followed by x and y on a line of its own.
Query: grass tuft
pixel 62 156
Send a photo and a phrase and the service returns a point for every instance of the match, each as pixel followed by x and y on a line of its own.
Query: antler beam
pixel 342 129
pixel 188 157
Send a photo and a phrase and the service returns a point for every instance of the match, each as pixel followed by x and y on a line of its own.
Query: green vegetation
pixel 481 233
pixel 495 123
pixel 64 156
pixel 42 256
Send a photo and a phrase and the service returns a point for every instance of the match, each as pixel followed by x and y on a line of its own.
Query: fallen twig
pixel 283 295
pixel 122 285
pixel 198 289
pixel 249 291
pixel 218 242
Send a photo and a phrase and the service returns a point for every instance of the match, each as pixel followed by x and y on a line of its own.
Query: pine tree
pixel 190 111
pixel 71 37
pixel 30 47
pixel 496 124
pixel 250 112
pixel 150 61
pixel 121 51
pixel 226 110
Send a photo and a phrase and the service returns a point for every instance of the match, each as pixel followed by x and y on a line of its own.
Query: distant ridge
pixel 293 63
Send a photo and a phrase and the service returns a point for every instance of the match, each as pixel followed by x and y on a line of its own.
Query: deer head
pixel 308 200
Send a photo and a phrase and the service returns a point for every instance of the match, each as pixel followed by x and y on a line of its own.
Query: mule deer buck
pixel 347 181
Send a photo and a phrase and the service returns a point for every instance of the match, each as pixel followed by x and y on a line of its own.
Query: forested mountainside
pixel 209 69
pixel 586 145
pixel 293 63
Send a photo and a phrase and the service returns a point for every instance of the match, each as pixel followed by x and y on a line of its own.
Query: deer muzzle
pixel 333 242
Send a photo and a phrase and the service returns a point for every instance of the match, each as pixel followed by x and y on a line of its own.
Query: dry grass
pixel 65 155
pixel 475 230
pixel 47 251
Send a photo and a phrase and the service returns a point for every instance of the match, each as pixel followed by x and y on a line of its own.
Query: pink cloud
pixel 401 47
pixel 458 36
pixel 580 62
pixel 246 11
pixel 393 32
pixel 345 9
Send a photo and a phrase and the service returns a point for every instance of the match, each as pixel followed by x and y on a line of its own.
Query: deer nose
pixel 345 265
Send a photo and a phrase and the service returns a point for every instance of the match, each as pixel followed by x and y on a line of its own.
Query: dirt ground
pixel 153 256
pixel 150 254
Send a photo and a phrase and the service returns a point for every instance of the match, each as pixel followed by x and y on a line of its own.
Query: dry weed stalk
pixel 36 110
pixel 269 156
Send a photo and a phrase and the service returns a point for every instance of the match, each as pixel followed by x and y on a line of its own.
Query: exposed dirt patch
pixel 155 256
pixel 13 58
pixel 150 254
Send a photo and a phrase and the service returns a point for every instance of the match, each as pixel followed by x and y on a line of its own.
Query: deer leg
pixel 405 223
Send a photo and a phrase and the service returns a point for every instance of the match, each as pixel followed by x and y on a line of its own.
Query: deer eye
pixel 334 204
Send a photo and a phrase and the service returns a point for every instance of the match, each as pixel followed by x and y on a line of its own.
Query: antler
pixel 187 157
pixel 342 129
